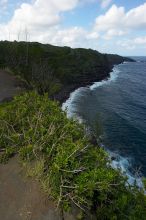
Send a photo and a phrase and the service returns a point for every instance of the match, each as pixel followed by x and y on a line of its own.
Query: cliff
pixel 56 70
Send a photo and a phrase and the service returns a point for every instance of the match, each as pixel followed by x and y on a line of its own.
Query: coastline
pixel 66 100
pixel 117 161
pixel 92 140
pixel 64 94
pixel 100 74
pixel 103 74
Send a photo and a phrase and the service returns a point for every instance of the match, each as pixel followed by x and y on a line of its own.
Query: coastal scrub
pixel 58 154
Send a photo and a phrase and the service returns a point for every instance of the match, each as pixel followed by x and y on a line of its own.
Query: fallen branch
pixel 74 171
pixel 76 203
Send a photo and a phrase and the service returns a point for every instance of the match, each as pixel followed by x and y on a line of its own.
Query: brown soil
pixel 8 86
pixel 21 198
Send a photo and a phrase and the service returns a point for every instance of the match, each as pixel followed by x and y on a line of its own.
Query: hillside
pixel 56 70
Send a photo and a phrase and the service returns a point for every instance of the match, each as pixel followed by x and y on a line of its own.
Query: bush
pixel 70 169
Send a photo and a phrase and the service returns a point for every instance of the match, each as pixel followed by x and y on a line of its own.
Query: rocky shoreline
pixel 99 75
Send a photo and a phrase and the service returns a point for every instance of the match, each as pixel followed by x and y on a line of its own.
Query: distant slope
pixel 52 69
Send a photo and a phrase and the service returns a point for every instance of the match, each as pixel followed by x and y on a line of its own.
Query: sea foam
pixel 113 77
pixel 118 162
pixel 69 106
pixel 124 164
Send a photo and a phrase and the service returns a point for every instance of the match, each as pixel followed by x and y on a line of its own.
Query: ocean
pixel 115 111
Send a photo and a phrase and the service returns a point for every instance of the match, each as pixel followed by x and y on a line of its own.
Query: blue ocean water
pixel 115 109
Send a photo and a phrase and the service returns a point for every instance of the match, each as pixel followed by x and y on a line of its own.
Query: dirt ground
pixel 8 85
pixel 21 198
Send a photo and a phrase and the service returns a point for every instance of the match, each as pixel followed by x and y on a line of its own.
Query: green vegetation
pixel 70 169
pixel 50 68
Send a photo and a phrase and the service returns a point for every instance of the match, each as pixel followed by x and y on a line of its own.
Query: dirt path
pixel 21 198
pixel 8 85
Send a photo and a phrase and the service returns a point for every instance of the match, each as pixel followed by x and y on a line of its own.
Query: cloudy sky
pixel 112 26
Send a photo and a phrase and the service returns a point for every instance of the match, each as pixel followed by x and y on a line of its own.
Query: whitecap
pixel 124 164
pixel 69 106
pixel 112 78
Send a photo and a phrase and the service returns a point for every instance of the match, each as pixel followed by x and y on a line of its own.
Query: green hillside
pixel 50 68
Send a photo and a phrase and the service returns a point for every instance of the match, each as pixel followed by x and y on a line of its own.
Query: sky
pixel 109 26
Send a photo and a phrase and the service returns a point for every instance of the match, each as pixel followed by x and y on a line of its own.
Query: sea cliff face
pixel 95 73
pixel 56 70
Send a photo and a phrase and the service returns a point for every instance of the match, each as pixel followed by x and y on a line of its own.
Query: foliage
pixel 49 68
pixel 70 169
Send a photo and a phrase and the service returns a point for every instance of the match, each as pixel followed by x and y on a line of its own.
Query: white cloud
pixel 37 17
pixel 41 13
pixel 3 4
pixel 133 43
pixel 126 44
pixel 140 40
pixel 69 37
pixel 116 21
pixel 110 19
pixel 42 20
pixel 105 3
pixel 92 35
pixel 114 33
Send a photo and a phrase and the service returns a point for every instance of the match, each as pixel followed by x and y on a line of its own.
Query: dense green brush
pixel 70 169
pixel 50 68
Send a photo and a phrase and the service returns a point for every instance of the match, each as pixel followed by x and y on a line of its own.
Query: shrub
pixel 70 169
